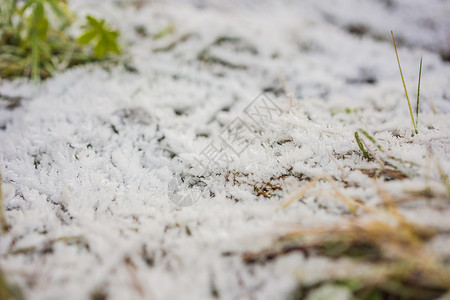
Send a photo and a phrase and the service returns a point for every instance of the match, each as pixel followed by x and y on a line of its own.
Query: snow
pixel 87 157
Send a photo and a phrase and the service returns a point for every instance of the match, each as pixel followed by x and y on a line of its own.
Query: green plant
pixel 103 38
pixel 34 39
pixel 406 91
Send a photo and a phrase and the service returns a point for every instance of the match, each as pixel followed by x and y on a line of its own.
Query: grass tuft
pixel 390 250
pixel 404 85
pixel 35 39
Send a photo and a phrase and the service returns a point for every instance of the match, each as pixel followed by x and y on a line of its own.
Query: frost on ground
pixel 87 157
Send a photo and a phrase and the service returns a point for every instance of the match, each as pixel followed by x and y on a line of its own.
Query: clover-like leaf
pixel 103 39
pixel 87 37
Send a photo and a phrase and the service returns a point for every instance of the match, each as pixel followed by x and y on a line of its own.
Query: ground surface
pixel 91 158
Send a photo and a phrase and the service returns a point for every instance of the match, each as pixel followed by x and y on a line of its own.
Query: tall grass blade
pixel 418 92
pixel 404 85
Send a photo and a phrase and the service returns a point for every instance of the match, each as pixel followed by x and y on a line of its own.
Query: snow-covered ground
pixel 89 158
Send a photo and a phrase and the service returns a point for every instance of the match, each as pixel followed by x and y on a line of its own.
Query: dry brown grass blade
pixel 131 268
pixel 377 241
pixel 415 233
pixel 383 239
pixel 336 162
pixel 444 178
pixel 393 248
pixel 302 191
pixel 400 232
pixel 433 106
pixel 286 89
pixel 350 202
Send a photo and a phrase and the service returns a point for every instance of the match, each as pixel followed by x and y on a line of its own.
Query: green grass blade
pixel 3 223
pixel 418 92
pixel 360 145
pixel 372 139
pixel 404 85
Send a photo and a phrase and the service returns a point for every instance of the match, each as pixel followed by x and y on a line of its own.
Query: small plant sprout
pixel 361 146
pixel 404 86
pixel 103 38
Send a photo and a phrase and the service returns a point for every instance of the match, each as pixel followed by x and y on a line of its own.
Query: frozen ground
pixel 87 156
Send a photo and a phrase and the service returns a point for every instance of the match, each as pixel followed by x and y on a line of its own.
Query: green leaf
pixel 35 61
pixel 42 28
pixel 105 40
pixel 38 22
pixel 59 8
pixel 38 12
pixel 26 6
pixel 93 21
pixel 87 37
pixel 101 48
pixel 61 11
pixel 44 49
pixel 111 40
